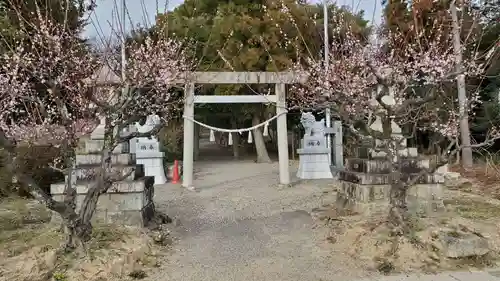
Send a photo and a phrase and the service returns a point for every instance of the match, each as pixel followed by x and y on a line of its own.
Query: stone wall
pixel 365 183
pixel 128 202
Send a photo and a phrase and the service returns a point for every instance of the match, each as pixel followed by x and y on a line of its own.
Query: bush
pixel 170 139
pixel 32 161
pixel 6 186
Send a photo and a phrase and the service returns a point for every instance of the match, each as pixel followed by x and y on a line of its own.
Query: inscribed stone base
pixel 95 159
pixel 153 166
pixel 135 218
pixel 377 166
pixel 314 164
pixel 382 179
pixel 126 202
pixel 426 199
pixel 364 198
pixel 93 146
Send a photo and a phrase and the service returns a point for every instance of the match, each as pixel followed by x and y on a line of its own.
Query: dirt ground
pixel 468 208
pixel 29 249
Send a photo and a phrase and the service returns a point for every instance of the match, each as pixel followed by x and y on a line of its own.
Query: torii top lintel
pixel 245 77
pixel 106 76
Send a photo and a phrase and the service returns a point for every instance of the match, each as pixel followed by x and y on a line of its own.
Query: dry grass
pixel 31 251
pixel 474 208
pixel 16 212
pixel 15 242
pixel 484 177
pixel 370 241
pixel 114 254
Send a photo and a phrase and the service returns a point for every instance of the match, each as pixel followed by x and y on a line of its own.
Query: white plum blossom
pixel 49 86
pixel 416 80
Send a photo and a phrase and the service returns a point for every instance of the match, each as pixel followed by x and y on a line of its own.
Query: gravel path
pixel 241 225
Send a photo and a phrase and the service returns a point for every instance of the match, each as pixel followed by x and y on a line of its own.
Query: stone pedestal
pixel 147 150
pixel 147 153
pixel 366 180
pixel 314 162
pixel 98 133
pixel 128 202
pixel 365 183
pixel 337 146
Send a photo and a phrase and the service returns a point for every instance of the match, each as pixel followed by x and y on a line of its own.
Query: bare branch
pixel 120 177
pixel 133 135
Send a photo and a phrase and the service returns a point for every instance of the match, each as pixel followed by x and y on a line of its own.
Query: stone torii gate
pixel 280 79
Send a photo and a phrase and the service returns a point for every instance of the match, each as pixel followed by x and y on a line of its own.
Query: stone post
pixel 147 151
pixel 98 133
pixel 282 134
pixel 187 162
pixel 338 146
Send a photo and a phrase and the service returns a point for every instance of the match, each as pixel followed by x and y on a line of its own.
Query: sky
pixel 104 21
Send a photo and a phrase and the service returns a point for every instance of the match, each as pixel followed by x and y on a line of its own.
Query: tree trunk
pixel 236 145
pixel 69 196
pixel 260 145
pixel 196 152
pixel 82 227
pixel 236 140
pixel 398 213
pixel 77 229
pixel 70 177
pixel 66 209
pixel 467 157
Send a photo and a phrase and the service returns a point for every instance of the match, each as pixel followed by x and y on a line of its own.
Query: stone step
pixel 368 198
pixel 126 186
pixel 406 152
pixel 95 146
pixel 94 159
pixel 370 153
pixel 364 178
pixel 125 203
pixel 383 166
pixel 98 133
pixel 88 172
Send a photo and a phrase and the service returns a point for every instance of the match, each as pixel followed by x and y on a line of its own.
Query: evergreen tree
pixel 19 17
pixel 251 35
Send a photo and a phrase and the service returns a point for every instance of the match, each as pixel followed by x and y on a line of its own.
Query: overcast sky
pixel 104 18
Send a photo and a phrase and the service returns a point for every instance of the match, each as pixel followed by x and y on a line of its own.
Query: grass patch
pixel 20 240
pixel 22 224
pixel 17 212
pixel 59 276
pixel 29 248
pixel 138 274
pixel 474 209
pixel 384 266
pixel 484 261
pixel 47 237
pixel 100 245
pixel 104 235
